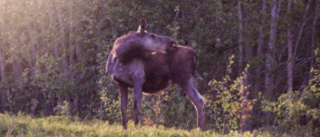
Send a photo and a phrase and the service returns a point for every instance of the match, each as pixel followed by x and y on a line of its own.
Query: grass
pixel 61 126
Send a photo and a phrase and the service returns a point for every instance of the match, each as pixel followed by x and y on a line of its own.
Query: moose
pixel 150 63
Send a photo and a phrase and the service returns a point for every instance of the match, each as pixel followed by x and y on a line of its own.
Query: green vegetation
pixel 23 125
pixel 258 66
pixel 63 126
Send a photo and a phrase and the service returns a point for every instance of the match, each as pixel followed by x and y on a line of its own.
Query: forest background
pixel 258 64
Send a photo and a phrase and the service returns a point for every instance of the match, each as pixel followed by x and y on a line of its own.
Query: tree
pixel 313 40
pixel 270 61
pixel 290 57
pixel 260 47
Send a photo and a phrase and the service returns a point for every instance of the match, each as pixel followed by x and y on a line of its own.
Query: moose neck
pixel 132 50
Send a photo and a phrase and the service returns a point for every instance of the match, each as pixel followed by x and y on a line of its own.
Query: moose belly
pixel 155 83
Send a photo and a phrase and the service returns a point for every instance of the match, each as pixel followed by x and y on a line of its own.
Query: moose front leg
pixel 137 91
pixel 123 90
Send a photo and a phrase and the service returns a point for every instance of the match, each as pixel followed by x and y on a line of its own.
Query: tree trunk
pixel 16 69
pixel 240 27
pixel 76 104
pixel 290 58
pixel 3 76
pixel 71 44
pixel 4 92
pixel 32 60
pixel 65 64
pixel 314 31
pixel 301 29
pixel 294 56
pixel 217 22
pixel 269 83
pixel 52 101
pixel 51 12
pixel 243 119
pixel 247 52
pixel 259 50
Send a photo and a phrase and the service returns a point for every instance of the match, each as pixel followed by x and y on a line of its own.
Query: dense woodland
pixel 258 64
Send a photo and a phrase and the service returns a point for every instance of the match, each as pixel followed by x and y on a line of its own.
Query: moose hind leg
pixel 137 91
pixel 123 90
pixel 197 100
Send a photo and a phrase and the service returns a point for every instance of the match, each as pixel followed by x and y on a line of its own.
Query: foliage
pixel 298 111
pixel 53 55
pixel 226 103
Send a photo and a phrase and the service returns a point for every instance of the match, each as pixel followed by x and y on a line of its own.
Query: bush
pixel 228 102
pixel 298 112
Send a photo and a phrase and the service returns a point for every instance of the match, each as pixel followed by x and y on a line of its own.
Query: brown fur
pixel 156 72
pixel 150 63
pixel 136 44
pixel 160 68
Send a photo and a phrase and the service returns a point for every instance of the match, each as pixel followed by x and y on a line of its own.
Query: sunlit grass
pixel 61 126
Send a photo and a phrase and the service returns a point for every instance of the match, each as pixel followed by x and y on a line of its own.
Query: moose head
pixel 140 43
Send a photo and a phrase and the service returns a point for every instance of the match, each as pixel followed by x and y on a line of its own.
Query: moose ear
pixel 142 26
